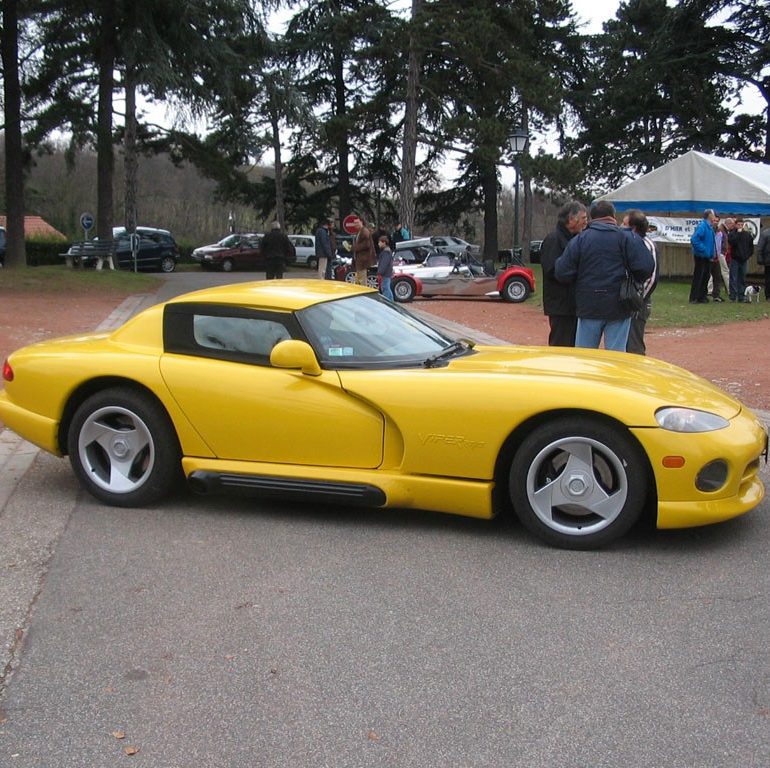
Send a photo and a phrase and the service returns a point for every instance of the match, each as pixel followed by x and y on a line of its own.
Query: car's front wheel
pixel 578 483
pixel 228 265
pixel 167 264
pixel 123 448
pixel 404 289
pixel 516 290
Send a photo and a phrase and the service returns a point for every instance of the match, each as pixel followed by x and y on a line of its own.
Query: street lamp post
pixel 378 183
pixel 518 141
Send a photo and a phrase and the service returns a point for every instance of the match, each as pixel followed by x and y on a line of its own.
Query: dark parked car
pixel 236 251
pixel 157 250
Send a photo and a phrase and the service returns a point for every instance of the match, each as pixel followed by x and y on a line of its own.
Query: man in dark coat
pixel 559 298
pixel 277 250
pixel 596 260
pixel 741 249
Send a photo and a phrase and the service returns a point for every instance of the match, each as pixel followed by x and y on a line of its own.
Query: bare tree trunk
pixel 105 163
pixel 131 161
pixel 280 203
pixel 15 253
pixel 489 190
pixel 409 153
pixel 343 147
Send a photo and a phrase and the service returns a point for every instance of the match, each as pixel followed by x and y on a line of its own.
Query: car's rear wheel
pixel 123 448
pixel 516 290
pixel 404 289
pixel 167 264
pixel 312 263
pixel 228 265
pixel 578 483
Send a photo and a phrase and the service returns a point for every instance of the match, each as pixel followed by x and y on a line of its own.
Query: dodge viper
pixel 324 391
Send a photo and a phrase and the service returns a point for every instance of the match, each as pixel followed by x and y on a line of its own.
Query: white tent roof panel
pixel 696 181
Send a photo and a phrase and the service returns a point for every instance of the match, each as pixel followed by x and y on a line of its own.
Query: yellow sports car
pixel 323 391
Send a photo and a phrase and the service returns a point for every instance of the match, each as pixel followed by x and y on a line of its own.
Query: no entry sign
pixel 347 223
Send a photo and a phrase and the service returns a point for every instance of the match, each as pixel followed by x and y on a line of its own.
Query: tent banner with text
pixel 673 230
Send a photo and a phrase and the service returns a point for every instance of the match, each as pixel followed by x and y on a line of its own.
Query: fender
pixel 515 271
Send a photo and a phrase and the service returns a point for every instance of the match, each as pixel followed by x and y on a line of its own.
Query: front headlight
pixel 689 420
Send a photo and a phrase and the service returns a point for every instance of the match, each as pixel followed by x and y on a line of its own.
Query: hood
pixel 603 375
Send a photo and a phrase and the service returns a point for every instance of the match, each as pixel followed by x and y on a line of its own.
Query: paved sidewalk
pixel 30 530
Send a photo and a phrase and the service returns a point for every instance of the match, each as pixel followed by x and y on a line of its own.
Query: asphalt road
pixel 226 633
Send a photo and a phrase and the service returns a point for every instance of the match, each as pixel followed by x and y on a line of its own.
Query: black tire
pixel 167 264
pixel 123 448
pixel 404 289
pixel 228 265
pixel 516 290
pixel 312 263
pixel 578 483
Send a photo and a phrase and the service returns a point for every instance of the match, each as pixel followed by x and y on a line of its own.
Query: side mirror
pixel 295 355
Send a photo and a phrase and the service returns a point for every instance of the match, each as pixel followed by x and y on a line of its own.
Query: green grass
pixel 671 306
pixel 60 279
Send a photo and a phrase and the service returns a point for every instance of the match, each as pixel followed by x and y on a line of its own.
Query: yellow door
pixel 257 413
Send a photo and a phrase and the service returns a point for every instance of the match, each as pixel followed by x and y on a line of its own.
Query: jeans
pixel 385 288
pixel 738 280
pixel 589 333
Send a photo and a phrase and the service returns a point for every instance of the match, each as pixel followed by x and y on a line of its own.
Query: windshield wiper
pixel 454 348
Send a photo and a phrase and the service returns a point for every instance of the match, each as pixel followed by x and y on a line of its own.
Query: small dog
pixel 752 292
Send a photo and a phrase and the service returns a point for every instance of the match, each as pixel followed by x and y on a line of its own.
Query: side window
pixel 252 336
pixel 225 332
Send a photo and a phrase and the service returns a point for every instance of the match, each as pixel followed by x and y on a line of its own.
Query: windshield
pixel 230 241
pixel 369 332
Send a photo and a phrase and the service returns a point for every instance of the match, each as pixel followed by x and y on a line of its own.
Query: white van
pixel 305 246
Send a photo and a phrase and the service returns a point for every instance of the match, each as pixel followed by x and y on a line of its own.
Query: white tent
pixel 694 182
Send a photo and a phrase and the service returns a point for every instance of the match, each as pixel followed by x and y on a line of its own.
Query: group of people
pixel 368 249
pixel 585 261
pixel 721 253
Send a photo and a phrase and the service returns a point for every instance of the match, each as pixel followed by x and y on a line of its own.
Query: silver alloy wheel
pixel 116 449
pixel 167 264
pixel 577 486
pixel 227 265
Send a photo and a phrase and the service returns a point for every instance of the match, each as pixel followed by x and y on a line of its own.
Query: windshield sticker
pixel 340 351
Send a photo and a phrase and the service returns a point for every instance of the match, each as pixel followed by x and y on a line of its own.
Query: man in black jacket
pixel 741 249
pixel 763 258
pixel 559 298
pixel 277 250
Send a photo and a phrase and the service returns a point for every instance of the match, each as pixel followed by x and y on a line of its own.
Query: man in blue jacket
pixel 704 251
pixel 596 261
